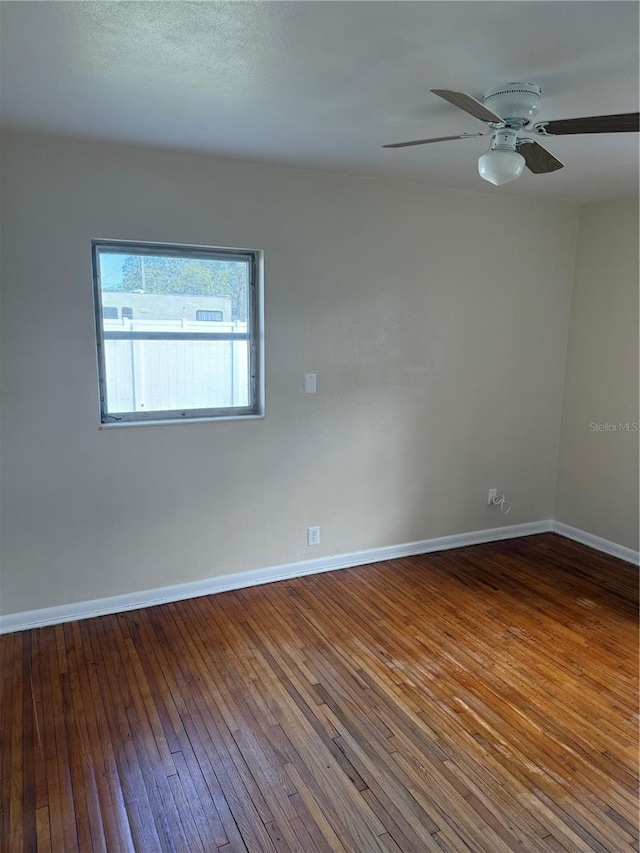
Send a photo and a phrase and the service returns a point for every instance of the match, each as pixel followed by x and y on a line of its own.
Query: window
pixel 209 315
pixel 179 332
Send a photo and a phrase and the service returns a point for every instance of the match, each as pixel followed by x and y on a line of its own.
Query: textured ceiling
pixel 323 85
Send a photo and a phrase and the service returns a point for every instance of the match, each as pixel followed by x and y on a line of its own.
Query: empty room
pixel 319 426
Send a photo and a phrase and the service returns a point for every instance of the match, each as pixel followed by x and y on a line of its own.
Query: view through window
pixel 178 332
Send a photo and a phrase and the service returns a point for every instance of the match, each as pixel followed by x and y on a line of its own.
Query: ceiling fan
pixel 509 110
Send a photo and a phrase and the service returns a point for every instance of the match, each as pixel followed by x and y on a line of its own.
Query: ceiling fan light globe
pixel 500 167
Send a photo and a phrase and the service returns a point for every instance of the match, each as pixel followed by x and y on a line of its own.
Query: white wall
pixel 436 321
pixel 598 465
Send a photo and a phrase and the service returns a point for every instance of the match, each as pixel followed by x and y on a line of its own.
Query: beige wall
pixel 598 467
pixel 436 321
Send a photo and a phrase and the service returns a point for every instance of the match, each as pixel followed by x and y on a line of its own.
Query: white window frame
pixel 254 334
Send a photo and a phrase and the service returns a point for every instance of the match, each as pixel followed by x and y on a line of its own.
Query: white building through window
pixel 179 332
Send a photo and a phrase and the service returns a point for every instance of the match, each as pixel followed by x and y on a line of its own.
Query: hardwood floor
pixel 480 699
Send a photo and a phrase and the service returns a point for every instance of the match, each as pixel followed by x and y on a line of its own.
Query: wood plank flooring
pixel 480 699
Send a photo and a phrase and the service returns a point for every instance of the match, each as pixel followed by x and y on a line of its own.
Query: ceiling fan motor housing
pixel 505 139
pixel 514 102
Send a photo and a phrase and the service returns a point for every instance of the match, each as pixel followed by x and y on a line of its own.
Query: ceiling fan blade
pixel 624 123
pixel 537 159
pixel 435 139
pixel 468 104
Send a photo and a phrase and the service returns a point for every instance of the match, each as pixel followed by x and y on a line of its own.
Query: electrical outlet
pixel 493 493
pixel 313 535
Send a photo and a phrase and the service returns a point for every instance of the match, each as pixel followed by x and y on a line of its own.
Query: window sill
pixel 176 421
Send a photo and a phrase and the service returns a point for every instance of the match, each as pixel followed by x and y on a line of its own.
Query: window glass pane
pixel 165 288
pixel 145 375
pixel 176 331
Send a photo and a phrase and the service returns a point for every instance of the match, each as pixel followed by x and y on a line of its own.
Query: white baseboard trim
pixel 597 542
pixel 209 586
pixel 150 597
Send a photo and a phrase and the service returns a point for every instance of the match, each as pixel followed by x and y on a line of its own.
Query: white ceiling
pixel 323 85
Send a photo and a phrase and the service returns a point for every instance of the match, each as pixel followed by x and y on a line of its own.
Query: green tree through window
pixel 188 277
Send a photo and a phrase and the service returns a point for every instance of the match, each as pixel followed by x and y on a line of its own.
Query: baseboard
pixel 151 597
pixel 597 542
